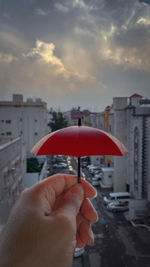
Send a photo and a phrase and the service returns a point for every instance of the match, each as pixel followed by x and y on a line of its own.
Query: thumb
pixel 71 202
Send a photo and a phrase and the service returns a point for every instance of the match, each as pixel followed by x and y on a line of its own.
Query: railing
pixel 43 171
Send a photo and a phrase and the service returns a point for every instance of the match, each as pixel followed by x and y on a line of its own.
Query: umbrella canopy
pixel 79 141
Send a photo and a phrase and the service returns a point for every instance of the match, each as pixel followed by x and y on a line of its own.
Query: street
pixel 120 245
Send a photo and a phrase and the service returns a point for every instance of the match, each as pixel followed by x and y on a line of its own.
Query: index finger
pixel 60 183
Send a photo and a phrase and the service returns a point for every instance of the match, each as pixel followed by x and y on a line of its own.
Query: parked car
pixel 93 169
pixel 90 166
pixel 84 164
pixel 120 196
pixel 78 252
pixel 98 171
pixel 96 179
pixel 95 182
pixel 115 206
pixel 60 165
pixel 98 176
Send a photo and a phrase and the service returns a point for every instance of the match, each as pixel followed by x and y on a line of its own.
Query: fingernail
pixel 77 190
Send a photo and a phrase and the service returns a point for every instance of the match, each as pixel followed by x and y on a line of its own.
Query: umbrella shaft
pixel 79 171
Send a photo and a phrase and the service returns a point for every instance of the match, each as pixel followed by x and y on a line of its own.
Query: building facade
pixel 27 120
pixel 132 172
pixel 12 170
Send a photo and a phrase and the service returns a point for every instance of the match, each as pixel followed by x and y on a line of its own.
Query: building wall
pixel 120 170
pixel 134 160
pixel 25 119
pixel 67 116
pixel 148 155
pixel 12 170
pixel 132 127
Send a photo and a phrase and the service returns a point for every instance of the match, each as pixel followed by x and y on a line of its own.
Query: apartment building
pixel 27 120
pixel 74 114
pixel 12 170
pixel 103 121
pixel 132 172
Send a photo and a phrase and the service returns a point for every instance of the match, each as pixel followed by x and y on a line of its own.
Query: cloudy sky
pixel 74 52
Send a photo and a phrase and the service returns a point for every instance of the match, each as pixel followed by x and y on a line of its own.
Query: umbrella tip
pixel 79 121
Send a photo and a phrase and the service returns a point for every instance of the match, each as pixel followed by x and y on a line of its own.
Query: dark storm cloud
pixel 75 48
pixel 145 1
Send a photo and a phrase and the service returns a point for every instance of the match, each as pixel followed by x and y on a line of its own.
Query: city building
pixel 22 124
pixel 12 170
pixel 103 121
pixel 132 172
pixel 74 114
pixel 25 119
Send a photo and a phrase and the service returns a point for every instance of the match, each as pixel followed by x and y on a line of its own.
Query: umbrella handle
pixel 79 180
pixel 79 124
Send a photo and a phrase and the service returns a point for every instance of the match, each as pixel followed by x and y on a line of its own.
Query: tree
pixel 33 165
pixel 57 121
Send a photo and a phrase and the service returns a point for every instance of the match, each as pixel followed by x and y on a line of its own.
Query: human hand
pixel 47 222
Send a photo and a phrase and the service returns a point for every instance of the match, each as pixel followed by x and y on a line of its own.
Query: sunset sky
pixel 74 52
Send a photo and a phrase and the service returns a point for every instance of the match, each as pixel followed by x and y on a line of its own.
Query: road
pixel 120 246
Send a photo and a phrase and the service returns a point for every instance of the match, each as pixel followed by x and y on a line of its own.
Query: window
pixel 35 120
pixel 8 121
pixel 2 120
pixel 127 187
pixel 8 133
pixel 36 133
pixel 123 197
pixel 111 198
pixel 2 134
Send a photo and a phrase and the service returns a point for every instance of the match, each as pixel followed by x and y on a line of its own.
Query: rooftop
pixel 17 100
pixel 136 95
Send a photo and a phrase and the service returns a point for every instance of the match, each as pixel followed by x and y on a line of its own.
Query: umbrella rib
pixel 79 170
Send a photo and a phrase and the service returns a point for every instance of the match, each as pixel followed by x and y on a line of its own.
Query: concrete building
pixel 67 116
pixel 132 172
pixel 74 114
pixel 103 121
pixel 12 170
pixel 120 131
pixel 25 119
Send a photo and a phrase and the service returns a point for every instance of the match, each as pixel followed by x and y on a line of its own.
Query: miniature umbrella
pixel 79 141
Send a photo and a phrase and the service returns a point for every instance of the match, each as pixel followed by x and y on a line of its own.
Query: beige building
pixel 103 121
pixel 12 170
pixel 27 120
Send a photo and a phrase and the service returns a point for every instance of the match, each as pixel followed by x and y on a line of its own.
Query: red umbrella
pixel 79 141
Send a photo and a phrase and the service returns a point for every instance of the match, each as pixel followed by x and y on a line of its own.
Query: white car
pixel 95 182
pixel 78 252
pixel 98 176
pixel 117 196
pixel 117 206
pixel 60 165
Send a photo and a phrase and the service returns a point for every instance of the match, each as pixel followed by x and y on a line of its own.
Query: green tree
pixel 57 122
pixel 33 165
